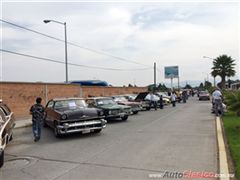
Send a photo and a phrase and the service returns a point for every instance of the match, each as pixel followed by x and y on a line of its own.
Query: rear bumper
pixel 85 126
pixel 204 98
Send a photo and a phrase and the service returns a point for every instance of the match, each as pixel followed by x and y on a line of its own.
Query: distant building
pixel 235 86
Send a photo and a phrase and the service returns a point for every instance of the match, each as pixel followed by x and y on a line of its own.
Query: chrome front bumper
pixel 85 126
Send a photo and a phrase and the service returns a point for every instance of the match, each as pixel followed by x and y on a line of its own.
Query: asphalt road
pixel 152 142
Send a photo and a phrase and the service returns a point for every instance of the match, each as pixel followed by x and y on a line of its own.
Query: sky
pixel 127 36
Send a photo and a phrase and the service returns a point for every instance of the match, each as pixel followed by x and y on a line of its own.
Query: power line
pixel 76 45
pixel 72 64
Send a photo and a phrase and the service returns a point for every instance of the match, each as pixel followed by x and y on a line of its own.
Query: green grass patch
pixel 232 129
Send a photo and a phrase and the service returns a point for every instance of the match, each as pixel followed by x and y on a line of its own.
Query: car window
pixel 101 102
pixel 6 110
pixel 90 102
pixel 70 104
pixel 50 104
pixel 2 116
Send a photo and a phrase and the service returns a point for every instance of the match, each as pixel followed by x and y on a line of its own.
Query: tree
pixel 207 84
pixel 233 101
pixel 201 86
pixel 223 66
pixel 188 86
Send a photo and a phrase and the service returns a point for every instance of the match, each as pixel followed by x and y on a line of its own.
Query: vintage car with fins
pixel 72 115
pixel 7 123
pixel 111 109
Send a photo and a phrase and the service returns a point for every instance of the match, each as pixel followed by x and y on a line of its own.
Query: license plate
pixel 122 114
pixel 86 131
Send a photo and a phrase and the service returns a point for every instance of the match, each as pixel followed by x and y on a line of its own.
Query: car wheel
pixel 135 112
pixel 97 130
pixel 148 108
pixel 124 118
pixel 1 158
pixel 56 132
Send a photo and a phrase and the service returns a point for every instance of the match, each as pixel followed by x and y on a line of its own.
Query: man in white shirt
pixel 217 101
pixel 153 100
pixel 173 99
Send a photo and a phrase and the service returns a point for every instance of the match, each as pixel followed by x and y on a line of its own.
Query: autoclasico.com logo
pixel 190 175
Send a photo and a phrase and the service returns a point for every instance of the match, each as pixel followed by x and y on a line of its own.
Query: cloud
pixel 166 33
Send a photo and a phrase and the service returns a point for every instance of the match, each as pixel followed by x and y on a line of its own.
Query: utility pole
pixel 155 76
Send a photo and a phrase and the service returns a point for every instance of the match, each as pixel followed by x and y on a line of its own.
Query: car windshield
pixel 120 98
pixel 101 102
pixel 70 104
pixel 203 92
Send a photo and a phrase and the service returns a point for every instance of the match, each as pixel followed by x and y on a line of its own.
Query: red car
pixel 204 95
pixel 122 100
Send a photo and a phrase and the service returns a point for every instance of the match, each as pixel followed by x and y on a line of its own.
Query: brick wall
pixel 20 96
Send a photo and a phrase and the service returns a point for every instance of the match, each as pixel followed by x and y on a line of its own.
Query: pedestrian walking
pixel 37 112
pixel 217 102
pixel 161 102
pixel 173 99
pixel 184 96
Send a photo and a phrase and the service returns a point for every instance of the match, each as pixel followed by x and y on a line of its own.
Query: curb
pixel 223 163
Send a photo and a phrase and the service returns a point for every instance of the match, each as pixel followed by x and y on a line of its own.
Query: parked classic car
pixel 204 95
pixel 111 109
pixel 122 100
pixel 7 123
pixel 145 104
pixel 166 98
pixel 70 115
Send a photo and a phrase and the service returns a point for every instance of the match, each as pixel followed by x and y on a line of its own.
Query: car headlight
pixel 64 117
pixel 100 113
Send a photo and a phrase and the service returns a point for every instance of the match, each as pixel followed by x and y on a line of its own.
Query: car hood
pixel 79 112
pixel 114 106
pixel 141 96
pixel 128 103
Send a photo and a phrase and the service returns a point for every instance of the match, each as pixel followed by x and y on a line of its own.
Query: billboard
pixel 171 72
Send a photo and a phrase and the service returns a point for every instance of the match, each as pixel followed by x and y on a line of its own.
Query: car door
pixel 49 110
pixel 10 120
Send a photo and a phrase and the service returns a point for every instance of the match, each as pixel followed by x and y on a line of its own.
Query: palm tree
pixel 223 66
pixel 214 75
pixel 233 101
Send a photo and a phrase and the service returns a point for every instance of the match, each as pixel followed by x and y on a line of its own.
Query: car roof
pixel 99 98
pixel 64 99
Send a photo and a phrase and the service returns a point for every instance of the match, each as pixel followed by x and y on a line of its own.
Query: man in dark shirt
pixel 37 112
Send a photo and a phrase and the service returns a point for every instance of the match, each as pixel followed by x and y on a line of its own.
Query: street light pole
pixel 65 34
pixel 66 59
pixel 214 78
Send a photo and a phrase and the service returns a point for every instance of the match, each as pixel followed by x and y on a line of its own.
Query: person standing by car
pixel 217 101
pixel 153 101
pixel 184 96
pixel 37 112
pixel 161 102
pixel 173 99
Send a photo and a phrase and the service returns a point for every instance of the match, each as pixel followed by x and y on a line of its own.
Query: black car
pixel 71 115
pixel 111 109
